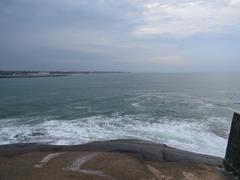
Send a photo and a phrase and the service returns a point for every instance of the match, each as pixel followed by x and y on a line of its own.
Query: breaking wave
pixel 184 134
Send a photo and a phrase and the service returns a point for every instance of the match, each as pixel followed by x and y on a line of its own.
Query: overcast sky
pixel 127 35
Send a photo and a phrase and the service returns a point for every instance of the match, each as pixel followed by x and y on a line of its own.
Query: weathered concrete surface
pixel 117 159
pixel 144 149
pixel 232 158
pixel 101 165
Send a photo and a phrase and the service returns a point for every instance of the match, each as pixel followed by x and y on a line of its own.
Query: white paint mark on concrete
pixel 46 159
pixel 158 174
pixel 189 176
pixel 76 166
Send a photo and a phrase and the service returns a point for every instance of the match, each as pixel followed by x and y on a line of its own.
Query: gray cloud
pixel 132 35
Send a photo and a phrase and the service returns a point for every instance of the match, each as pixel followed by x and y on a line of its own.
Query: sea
pixel 189 111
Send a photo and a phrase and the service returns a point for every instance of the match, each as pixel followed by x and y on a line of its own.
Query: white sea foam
pixel 188 135
pixel 80 107
pixel 137 104
pixel 169 98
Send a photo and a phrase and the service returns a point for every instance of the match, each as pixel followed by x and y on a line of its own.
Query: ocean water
pixel 186 111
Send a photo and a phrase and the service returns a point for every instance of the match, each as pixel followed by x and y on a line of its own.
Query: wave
pixel 183 134
pixel 157 99
pixel 80 107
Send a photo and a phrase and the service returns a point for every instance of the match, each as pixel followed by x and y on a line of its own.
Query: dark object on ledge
pixel 232 157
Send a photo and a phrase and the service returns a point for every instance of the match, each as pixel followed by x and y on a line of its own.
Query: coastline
pixel 3 77
pixel 35 74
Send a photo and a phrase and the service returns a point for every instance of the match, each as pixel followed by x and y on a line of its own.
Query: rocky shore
pixel 114 159
pixel 32 74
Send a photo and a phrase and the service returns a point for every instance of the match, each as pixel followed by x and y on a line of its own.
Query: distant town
pixel 26 74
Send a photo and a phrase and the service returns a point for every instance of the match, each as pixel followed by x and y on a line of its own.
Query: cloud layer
pixel 132 35
pixel 186 18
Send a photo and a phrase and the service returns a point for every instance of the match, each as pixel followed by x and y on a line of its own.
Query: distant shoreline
pixel 32 74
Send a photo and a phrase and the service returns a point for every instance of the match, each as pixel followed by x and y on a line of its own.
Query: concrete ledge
pixel 142 149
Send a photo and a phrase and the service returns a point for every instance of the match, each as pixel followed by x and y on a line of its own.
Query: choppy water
pixel 187 111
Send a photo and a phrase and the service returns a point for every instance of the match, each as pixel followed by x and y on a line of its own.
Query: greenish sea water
pixel 187 111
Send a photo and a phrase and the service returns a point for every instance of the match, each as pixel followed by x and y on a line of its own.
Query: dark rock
pixel 232 157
